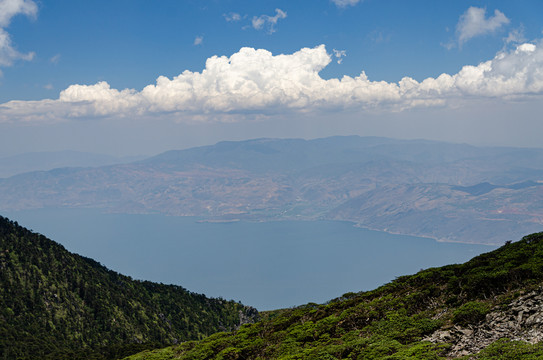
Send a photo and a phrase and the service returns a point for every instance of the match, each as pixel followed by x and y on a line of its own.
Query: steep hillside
pixel 487 308
pixel 414 187
pixel 55 305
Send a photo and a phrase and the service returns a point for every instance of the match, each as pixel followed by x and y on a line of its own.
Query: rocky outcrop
pixel 522 320
pixel 249 315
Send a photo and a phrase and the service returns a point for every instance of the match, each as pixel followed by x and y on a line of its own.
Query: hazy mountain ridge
pixel 45 161
pixel 445 213
pixel 375 182
pixel 59 305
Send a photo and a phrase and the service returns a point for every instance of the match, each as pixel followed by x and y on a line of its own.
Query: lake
pixel 267 265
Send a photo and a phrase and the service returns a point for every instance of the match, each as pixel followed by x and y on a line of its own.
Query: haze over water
pixel 267 265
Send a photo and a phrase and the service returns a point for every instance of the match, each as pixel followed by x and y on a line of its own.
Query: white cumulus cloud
pixel 268 22
pixel 474 23
pixel 9 9
pixel 255 82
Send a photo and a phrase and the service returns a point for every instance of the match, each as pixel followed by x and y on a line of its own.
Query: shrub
pixel 470 313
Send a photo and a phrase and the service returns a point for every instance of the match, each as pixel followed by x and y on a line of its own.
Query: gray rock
pixel 522 320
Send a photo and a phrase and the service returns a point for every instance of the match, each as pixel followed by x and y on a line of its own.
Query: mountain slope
pixel 43 161
pixel 489 306
pixel 383 184
pixel 55 304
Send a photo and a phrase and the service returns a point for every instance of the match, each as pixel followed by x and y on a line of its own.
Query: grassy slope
pixel 389 322
pixel 55 304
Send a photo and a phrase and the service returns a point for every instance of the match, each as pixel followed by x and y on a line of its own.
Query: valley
pixel 448 192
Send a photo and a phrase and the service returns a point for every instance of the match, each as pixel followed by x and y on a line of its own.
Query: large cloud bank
pixel 257 82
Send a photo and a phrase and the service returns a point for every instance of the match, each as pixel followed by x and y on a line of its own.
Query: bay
pixel 268 265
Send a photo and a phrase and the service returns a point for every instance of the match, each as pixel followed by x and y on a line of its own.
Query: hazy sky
pixel 140 77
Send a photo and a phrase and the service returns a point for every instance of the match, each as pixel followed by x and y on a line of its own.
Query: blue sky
pixel 83 75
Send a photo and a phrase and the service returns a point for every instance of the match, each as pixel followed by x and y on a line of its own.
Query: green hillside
pixel 454 311
pixel 59 305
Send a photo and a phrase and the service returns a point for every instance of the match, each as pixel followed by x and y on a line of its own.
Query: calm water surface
pixel 268 265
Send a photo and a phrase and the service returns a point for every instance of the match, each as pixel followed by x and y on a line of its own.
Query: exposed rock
pixel 248 316
pixel 521 320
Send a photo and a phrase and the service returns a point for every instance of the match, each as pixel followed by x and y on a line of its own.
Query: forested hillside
pixel 488 308
pixel 59 305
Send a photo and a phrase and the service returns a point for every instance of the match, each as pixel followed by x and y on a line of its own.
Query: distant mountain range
pixel 451 192
pixel 43 161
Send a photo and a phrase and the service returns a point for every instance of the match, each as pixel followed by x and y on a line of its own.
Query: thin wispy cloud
pixel 268 22
pixel 9 9
pixel 232 17
pixel 339 54
pixel 256 81
pixel 378 37
pixel 474 23
pixel 345 3
pixel 198 40
pixel 515 36
pixel 55 59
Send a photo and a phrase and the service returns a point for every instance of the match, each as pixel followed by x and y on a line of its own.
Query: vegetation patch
pixel 390 322
pixel 471 312
pixel 58 305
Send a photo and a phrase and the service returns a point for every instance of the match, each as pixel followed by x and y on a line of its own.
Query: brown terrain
pixel 449 192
